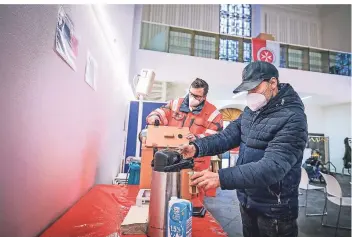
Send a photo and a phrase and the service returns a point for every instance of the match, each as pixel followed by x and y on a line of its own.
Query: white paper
pixel 91 71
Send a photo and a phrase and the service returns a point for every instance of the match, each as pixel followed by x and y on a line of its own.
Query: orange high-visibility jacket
pixel 202 121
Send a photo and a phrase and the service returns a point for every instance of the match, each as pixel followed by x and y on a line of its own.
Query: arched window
pixel 236 20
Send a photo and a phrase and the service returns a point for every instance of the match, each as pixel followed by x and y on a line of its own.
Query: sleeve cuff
pixel 197 149
pixel 221 179
pixel 228 179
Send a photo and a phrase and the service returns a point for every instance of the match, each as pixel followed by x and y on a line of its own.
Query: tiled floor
pixel 226 210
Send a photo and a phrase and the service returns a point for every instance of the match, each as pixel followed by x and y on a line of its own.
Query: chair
pixel 304 184
pixel 334 190
pixel 348 170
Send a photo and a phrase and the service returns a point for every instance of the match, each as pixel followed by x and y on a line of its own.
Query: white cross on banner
pixel 266 50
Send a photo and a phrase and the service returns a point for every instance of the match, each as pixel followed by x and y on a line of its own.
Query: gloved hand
pixel 152 120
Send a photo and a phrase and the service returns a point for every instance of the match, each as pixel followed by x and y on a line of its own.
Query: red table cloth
pixel 101 211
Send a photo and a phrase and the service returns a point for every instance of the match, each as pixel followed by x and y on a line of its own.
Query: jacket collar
pixel 287 97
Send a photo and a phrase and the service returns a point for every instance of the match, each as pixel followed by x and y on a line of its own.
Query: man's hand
pixel 151 120
pixel 191 137
pixel 205 179
pixel 188 151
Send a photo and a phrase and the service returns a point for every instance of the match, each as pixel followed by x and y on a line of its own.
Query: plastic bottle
pixel 179 221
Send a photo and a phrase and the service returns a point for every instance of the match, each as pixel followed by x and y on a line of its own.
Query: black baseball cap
pixel 254 73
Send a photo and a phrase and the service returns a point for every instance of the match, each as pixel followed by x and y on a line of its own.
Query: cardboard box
pixel 265 36
pixel 136 221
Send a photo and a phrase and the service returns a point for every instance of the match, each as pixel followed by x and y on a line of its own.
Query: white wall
pixel 57 136
pixel 315 119
pixel 337 125
pixel 336 30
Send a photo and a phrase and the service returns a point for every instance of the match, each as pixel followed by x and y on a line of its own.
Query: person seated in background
pixel 195 112
pixel 272 134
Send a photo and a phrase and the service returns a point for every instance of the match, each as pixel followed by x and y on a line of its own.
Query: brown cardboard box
pixel 159 137
pixel 265 36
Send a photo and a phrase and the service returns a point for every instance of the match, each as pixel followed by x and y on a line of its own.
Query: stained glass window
pixel 229 50
pixel 236 20
pixel 340 63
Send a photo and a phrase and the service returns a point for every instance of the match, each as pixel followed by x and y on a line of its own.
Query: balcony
pixel 177 40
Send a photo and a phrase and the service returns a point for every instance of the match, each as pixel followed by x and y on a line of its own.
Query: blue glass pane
pixel 236 19
pixel 343 64
pixel 223 49
pixel 283 57
pixel 229 50
pixel 340 63
pixel 247 52
pixel 224 7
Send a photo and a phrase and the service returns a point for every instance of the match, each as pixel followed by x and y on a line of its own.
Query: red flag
pixel 266 50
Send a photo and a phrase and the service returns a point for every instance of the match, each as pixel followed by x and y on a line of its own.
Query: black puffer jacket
pixel 272 141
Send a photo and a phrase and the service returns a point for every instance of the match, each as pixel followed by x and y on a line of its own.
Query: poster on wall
pixel 66 43
pixel 319 143
pixel 91 71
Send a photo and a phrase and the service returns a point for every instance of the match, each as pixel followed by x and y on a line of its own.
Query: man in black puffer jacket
pixel 272 134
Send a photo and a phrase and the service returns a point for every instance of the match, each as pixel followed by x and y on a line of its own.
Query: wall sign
pixel 66 43
pixel 91 71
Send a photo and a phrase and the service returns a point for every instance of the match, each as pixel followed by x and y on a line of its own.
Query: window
pixel 180 43
pixel 236 20
pixel 204 46
pixel 229 50
pixel 340 63
pixel 315 62
pixel 295 59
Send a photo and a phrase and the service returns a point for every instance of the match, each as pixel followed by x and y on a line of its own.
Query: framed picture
pixel 66 43
pixel 319 143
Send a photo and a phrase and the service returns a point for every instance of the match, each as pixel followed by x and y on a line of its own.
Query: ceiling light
pixel 307 97
pixel 239 94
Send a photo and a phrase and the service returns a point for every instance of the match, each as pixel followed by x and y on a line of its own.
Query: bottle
pixel 179 223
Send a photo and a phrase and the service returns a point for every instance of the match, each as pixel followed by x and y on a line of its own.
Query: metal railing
pixel 178 40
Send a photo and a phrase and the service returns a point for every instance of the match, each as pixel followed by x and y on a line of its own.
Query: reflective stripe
pixel 201 135
pixel 213 115
pixel 211 131
pixel 174 105
pixel 161 112
pixel 162 116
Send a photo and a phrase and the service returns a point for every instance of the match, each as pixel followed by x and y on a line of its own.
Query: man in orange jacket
pixel 195 112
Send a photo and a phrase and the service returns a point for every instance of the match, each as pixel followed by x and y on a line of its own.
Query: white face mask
pixel 256 101
pixel 193 102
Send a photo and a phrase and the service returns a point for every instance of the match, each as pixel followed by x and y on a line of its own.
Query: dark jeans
pixel 256 225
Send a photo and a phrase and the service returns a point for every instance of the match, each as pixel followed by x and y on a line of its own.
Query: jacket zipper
pixel 277 195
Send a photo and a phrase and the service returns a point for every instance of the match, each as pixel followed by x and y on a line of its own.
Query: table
pixel 101 211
